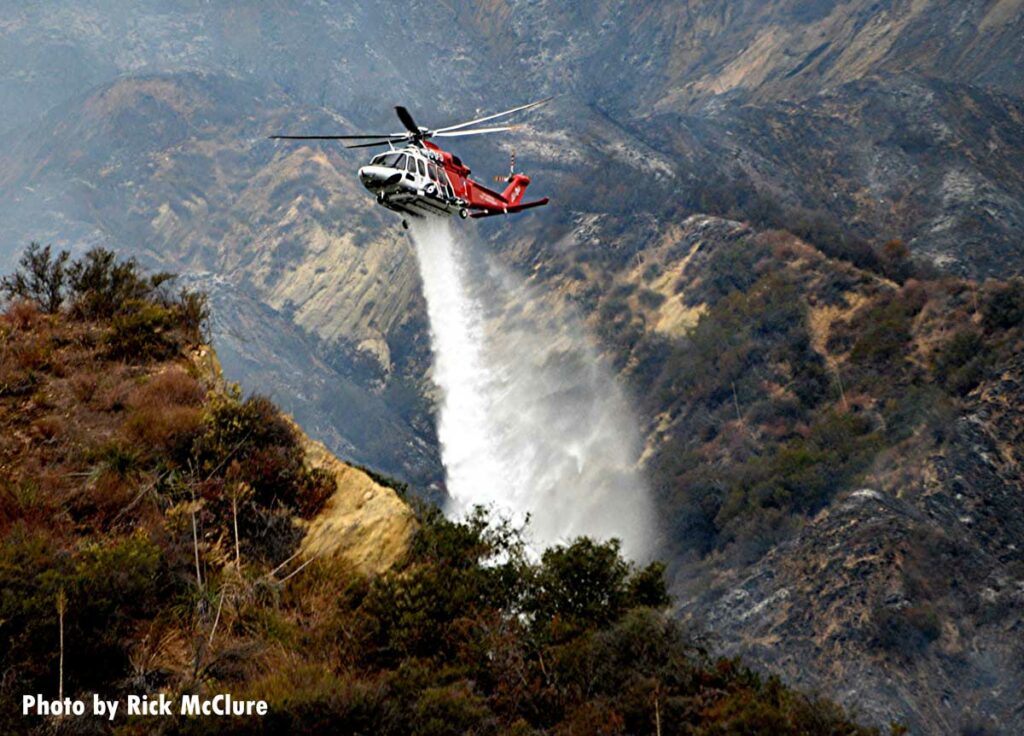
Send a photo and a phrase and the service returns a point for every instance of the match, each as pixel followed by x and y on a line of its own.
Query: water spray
pixel 531 423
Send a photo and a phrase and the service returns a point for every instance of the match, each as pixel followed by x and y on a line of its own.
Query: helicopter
pixel 420 178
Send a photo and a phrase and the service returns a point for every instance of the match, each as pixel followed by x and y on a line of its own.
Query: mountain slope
pixel 162 537
pixel 684 56
pixel 822 441
pixel 305 272
pixel 780 426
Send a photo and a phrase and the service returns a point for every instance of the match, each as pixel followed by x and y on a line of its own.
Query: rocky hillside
pixel 837 122
pixel 161 535
pixel 315 301
pixel 824 439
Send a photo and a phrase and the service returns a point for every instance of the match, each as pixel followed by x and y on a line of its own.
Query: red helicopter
pixel 421 179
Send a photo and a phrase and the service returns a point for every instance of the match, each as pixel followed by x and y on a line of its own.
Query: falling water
pixel 531 423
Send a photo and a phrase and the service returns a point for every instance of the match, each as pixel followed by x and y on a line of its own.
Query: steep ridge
pixel 365 522
pixel 631 59
pixel 161 536
pixel 301 269
pixel 823 440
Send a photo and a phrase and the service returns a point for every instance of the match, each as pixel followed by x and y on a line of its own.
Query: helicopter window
pixel 423 168
pixel 410 164
pixel 388 159
pixel 433 172
pixel 442 178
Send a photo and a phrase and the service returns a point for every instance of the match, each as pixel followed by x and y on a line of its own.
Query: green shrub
pixel 142 331
pixel 41 278
pixel 884 336
pixel 249 445
pixel 802 474
pixel 108 586
pixel 147 323
pixel 906 631
pixel 894 261
pixel 194 311
pixel 587 584
pixel 731 267
pixel 961 363
pixel 452 710
pixel 103 286
pixel 1003 307
pixel 650 299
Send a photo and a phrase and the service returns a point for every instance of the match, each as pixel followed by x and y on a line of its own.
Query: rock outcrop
pixel 364 522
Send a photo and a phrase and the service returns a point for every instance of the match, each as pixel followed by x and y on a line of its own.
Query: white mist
pixel 530 422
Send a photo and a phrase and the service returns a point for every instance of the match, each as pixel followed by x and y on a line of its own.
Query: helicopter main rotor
pixel 417 134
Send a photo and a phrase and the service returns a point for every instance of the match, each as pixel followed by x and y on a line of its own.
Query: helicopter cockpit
pixel 418 171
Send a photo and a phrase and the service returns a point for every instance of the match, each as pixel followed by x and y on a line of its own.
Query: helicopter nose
pixel 379 177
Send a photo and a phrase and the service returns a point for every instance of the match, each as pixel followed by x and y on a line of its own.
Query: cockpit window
pixel 410 165
pixel 387 159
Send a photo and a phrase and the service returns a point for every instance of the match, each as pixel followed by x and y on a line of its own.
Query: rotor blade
pixel 377 143
pixel 407 120
pixel 459 126
pixel 475 131
pixel 335 137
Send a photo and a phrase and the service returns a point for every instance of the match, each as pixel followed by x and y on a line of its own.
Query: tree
pixel 101 285
pixel 589 584
pixel 41 278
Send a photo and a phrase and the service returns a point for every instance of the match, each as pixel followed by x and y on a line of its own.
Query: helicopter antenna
pixel 511 168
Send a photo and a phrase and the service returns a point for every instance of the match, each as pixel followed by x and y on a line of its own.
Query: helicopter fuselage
pixel 422 179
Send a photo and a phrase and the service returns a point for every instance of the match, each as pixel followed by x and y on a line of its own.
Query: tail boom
pixel 511 209
pixel 480 197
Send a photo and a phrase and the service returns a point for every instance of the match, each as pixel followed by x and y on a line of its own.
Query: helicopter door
pixel 446 183
pixel 410 163
pixel 434 188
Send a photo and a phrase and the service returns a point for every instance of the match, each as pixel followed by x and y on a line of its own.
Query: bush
pixel 167 430
pixel 894 261
pixel 171 387
pixel 194 310
pixel 41 278
pixel 107 586
pixel 650 299
pixel 249 445
pixel 588 584
pixel 884 338
pixel 102 286
pixel 961 363
pixel 1003 307
pixel 803 474
pixel 732 267
pixel 906 631
pixel 142 331
pixel 99 286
